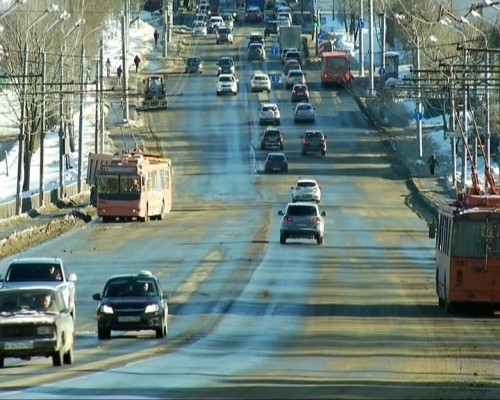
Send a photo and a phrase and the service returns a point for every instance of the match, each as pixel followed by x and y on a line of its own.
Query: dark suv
pixel 313 141
pixel 253 14
pixel 271 28
pixel 131 303
pixel 271 138
pixel 226 65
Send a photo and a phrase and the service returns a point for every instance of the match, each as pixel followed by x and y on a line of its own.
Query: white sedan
pixel 199 29
pixel 306 190
pixel 260 82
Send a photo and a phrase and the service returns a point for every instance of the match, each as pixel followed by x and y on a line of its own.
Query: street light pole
pixel 22 133
pixel 361 41
pixel 80 115
pixel 419 103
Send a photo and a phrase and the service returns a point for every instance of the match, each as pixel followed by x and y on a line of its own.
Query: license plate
pixel 18 345
pixel 129 319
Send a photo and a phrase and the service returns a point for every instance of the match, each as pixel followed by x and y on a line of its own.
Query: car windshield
pixel 269 108
pixel 225 61
pixel 276 157
pixel 127 287
pixel 191 61
pixel 225 79
pixel 25 301
pixel 260 78
pixel 293 74
pixel 223 30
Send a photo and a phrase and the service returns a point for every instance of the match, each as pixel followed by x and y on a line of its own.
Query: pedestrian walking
pixel 433 163
pixel 119 73
pixel 137 60
pixel 108 67
pixel 156 36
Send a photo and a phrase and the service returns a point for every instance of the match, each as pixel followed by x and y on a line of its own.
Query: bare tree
pixel 25 29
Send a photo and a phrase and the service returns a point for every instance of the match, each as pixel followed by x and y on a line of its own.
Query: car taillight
pixel 323 141
pixel 316 220
pixel 297 187
pixel 287 219
pixel 304 141
pixel 293 92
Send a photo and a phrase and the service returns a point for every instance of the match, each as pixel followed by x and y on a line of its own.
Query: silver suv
pixel 302 220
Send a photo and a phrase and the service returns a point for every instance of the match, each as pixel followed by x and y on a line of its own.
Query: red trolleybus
pixel 335 68
pixel 468 254
pixel 468 244
pixel 131 185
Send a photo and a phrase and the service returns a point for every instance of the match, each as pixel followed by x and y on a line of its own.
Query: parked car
pixel 194 64
pixel 256 52
pixel 260 82
pixel 223 35
pixel 306 190
pixel 302 220
pixel 269 113
pixel 132 302
pixel 295 76
pixel 313 141
pixel 300 92
pixel 226 65
pixel 270 139
pixel 304 112
pixel 253 14
pixel 276 162
pixel 36 322
pixel 227 83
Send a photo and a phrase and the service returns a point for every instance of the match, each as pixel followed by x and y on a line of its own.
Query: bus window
pixel 108 184
pixel 469 238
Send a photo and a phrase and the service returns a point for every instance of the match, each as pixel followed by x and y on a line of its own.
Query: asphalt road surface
pixel 249 318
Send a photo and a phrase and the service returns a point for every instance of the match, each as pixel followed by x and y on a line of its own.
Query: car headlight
pixel 105 309
pixel 151 308
pixel 45 330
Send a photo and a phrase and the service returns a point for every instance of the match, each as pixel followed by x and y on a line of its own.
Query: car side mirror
pixel 280 212
pixel 96 296
pixel 323 213
pixel 72 277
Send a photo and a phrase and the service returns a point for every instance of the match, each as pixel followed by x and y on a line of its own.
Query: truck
pixel 214 7
pixel 42 271
pixel 228 7
pixel 290 37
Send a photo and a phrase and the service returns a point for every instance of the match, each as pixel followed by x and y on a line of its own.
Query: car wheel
pixel 2 362
pixel 160 331
pixel 103 333
pixel 235 93
pixel 218 94
pixel 57 358
pixel 319 240
pixel 68 357
pixel 303 152
pixel 262 147
pixel 323 153
pixel 282 238
pixel 278 122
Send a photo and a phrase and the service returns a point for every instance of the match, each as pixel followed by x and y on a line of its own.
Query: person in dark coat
pixel 137 61
pixel 156 36
pixel 119 73
pixel 433 163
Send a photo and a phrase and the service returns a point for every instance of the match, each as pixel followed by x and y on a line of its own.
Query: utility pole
pixel 361 41
pixel 382 40
pixel 372 60
pixel 165 28
pixel 487 132
pixel 125 25
pixel 418 111
pixel 465 121
pixel 101 95
pixel 80 119
pixel 41 189
pixel 96 133
pixel 61 128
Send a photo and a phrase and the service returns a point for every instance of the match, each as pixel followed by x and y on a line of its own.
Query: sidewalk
pixel 432 189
